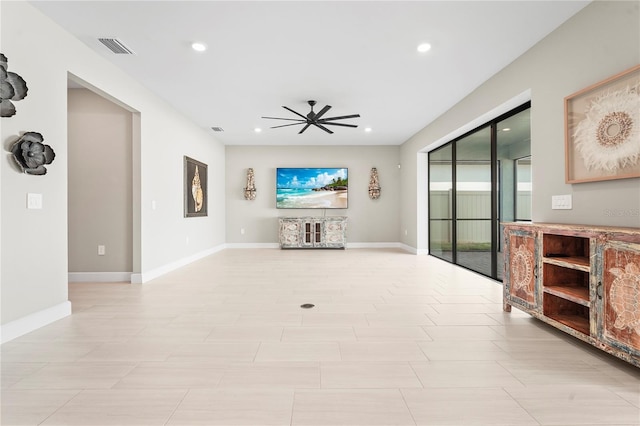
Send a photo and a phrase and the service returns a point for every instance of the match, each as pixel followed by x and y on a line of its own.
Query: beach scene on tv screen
pixel 312 188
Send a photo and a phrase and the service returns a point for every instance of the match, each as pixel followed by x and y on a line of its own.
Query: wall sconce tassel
pixel 250 190
pixel 374 185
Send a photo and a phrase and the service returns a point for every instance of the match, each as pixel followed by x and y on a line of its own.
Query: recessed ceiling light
pixel 506 129
pixel 199 47
pixel 424 47
pixel 367 129
pixel 257 130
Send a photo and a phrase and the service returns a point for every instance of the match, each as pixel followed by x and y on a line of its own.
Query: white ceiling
pixel 358 56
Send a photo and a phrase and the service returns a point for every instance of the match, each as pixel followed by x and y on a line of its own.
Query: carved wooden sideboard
pixel 584 280
pixel 313 232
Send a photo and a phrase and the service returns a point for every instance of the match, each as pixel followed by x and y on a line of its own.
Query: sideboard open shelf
pixel 565 280
pixel 583 280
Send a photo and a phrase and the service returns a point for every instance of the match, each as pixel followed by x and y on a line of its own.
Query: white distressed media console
pixel 313 232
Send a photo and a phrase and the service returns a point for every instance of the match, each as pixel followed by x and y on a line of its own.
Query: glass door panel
pixel 441 203
pixel 523 189
pixel 513 148
pixel 473 201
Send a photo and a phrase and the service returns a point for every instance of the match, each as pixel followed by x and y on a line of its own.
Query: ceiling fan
pixel 313 118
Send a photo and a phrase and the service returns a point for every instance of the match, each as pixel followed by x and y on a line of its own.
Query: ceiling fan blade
pixel 296 113
pixel 288 119
pixel 304 128
pixel 322 127
pixel 341 117
pixel 321 112
pixel 285 125
pixel 340 124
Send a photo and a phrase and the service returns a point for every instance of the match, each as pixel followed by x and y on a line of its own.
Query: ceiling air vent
pixel 116 46
pixel 217 129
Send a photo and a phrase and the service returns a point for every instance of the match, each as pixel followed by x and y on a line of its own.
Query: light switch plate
pixel 34 201
pixel 561 202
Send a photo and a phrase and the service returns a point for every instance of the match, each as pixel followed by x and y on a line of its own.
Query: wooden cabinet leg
pixel 506 307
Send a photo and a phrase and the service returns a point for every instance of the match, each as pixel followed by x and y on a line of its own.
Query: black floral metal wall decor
pixel 12 88
pixel 31 154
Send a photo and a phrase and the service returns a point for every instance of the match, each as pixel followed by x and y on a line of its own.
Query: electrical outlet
pixel 241 231
pixel 101 250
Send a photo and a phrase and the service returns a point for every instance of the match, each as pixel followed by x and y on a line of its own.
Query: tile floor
pixel 393 339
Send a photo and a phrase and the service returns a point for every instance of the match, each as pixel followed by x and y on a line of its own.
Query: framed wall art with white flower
pixel 602 130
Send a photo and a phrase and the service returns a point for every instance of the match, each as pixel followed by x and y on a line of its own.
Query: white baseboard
pixel 157 272
pixel 349 246
pixel 252 245
pixel 99 277
pixel 402 246
pixel 413 250
pixel 408 248
pixel 26 324
pixel 372 245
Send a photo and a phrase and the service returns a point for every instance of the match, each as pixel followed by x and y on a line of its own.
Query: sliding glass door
pixel 513 146
pixel 441 202
pixel 476 182
pixel 473 201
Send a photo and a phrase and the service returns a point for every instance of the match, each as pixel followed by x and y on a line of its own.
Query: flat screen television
pixel 312 188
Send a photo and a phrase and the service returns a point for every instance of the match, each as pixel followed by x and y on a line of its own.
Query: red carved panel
pixel 621 296
pixel 521 267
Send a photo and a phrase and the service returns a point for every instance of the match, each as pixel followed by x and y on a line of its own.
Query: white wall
pixel 370 221
pixel 599 41
pixel 34 242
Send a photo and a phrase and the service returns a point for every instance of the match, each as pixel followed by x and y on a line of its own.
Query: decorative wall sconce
pixel 31 154
pixel 13 88
pixel 250 190
pixel 374 185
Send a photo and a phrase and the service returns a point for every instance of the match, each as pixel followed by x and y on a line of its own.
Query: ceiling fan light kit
pixel 314 119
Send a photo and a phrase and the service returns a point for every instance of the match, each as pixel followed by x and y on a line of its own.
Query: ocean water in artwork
pixel 309 199
pixel 311 188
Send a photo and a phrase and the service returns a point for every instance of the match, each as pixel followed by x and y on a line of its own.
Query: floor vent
pixel 217 129
pixel 116 46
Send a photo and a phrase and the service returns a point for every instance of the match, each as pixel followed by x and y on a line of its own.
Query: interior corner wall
pixel 34 242
pixel 369 221
pixel 599 41
pixel 100 192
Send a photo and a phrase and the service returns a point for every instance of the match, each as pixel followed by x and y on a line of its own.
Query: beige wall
pixel 370 221
pixel 599 41
pixel 100 183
